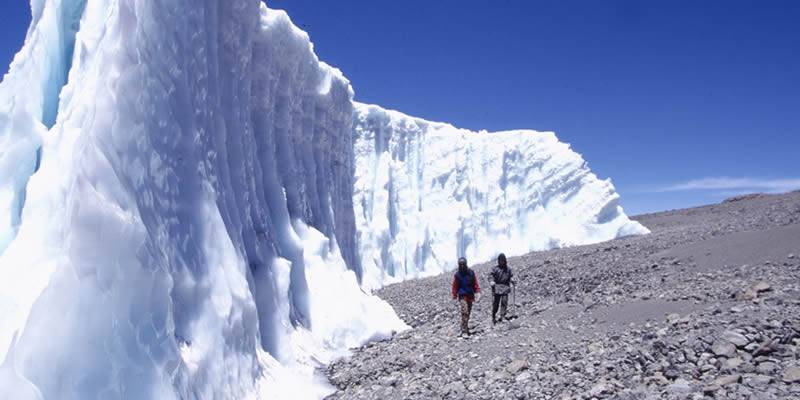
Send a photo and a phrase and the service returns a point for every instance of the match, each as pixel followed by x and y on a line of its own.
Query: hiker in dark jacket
pixel 501 278
pixel 465 288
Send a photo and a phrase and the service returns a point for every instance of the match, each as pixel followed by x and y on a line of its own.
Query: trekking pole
pixel 514 294
pixel 516 306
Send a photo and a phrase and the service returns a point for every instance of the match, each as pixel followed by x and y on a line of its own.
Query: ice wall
pixel 189 233
pixel 29 101
pixel 192 206
pixel 427 193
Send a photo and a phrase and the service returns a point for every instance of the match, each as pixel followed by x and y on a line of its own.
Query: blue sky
pixel 680 102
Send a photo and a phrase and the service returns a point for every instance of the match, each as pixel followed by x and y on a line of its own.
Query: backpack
pixel 466 283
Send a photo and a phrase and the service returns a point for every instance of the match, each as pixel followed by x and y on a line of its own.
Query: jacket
pixel 465 285
pixel 502 279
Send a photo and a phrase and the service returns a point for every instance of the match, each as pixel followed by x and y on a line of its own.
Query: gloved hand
pixel 477 297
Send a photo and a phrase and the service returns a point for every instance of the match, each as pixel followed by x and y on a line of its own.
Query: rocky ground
pixel 706 306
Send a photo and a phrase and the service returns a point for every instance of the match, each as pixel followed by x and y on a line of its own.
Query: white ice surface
pixel 177 188
pixel 427 193
pixel 29 101
pixel 194 191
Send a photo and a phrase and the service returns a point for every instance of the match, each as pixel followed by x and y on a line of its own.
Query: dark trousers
pixel 499 302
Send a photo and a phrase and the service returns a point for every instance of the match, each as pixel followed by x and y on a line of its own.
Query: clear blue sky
pixel 679 102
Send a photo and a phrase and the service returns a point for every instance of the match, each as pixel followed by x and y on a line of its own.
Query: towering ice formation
pixel 192 206
pixel 427 193
pixel 29 101
pixel 189 232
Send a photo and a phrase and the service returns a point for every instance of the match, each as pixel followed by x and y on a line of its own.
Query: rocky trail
pixel 706 306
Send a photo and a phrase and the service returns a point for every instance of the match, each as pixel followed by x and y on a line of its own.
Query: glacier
pixel 193 205
pixel 194 189
pixel 427 193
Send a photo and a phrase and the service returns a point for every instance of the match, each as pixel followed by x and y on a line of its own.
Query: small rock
pixel 673 319
pixel 766 367
pixel 596 347
pixel 732 363
pixel 747 295
pixel 707 367
pixel 516 366
pixel 757 380
pixel 600 389
pixel 455 388
pixel 764 348
pixel 680 386
pixel 523 377
pixel 671 373
pixel 736 338
pixel 718 383
pixel 388 380
pixel 761 287
pixel 792 375
pixel 657 379
pixel 723 348
pixel 790 256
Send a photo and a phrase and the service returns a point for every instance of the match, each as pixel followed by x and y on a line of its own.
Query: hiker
pixel 501 279
pixel 465 290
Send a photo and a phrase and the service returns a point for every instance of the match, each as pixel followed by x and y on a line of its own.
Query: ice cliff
pixel 427 193
pixel 193 207
pixel 194 191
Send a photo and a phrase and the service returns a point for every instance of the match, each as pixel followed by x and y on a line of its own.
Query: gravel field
pixel 706 306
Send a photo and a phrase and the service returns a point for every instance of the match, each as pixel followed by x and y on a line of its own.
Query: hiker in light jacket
pixel 501 278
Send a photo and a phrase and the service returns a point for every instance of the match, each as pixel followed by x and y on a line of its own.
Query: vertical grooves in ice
pixel 478 194
pixel 29 103
pixel 195 190
pixel 210 206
